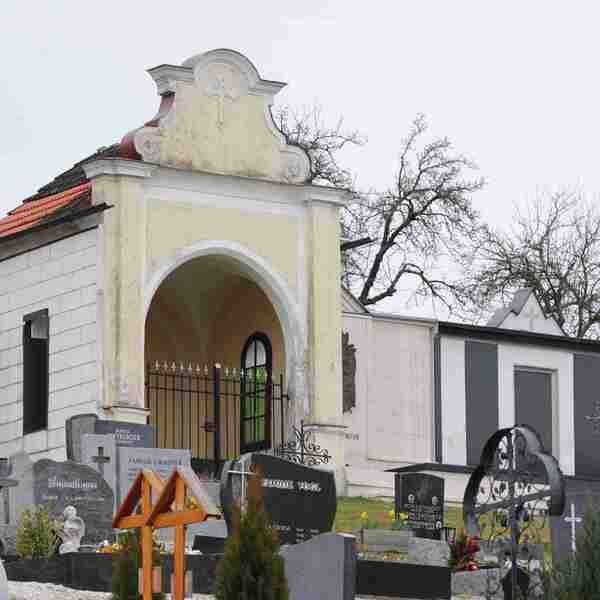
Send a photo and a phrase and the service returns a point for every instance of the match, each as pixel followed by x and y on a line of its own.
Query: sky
pixel 513 84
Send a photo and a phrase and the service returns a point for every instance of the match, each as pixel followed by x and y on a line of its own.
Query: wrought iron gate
pixel 201 409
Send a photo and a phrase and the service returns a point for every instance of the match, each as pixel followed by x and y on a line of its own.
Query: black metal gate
pixel 201 409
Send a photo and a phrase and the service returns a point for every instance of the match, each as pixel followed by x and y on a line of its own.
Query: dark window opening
pixel 35 371
pixel 255 411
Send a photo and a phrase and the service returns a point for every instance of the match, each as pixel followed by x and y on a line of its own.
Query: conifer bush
pixel 126 563
pixel 36 533
pixel 578 577
pixel 252 568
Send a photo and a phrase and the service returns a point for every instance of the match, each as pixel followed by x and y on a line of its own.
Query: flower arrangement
pixel 400 523
pixel 462 553
pixel 366 522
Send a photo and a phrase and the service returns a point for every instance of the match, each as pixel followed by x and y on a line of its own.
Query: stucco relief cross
pixel 218 88
pixel 594 419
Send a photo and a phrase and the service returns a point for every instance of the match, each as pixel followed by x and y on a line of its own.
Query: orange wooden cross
pixel 146 485
pixel 170 511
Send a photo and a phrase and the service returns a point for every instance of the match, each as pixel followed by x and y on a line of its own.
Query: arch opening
pixel 199 319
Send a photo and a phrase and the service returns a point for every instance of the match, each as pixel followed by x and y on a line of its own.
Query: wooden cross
pixel 100 459
pixel 573 520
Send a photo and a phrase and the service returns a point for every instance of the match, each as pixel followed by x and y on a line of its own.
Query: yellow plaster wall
pixel 325 324
pixel 241 145
pixel 176 225
pixel 246 311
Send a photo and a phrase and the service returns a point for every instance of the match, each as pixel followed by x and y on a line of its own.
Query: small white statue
pixel 71 532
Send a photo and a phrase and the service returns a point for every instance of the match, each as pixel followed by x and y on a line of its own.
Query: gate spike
pixel 165 366
pixel 181 367
pixel 198 368
pixel 156 366
pixel 226 371
pixel 174 366
pixel 190 369
pixel 206 369
pixel 233 372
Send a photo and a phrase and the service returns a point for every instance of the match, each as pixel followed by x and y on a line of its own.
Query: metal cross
pixel 573 520
pixel 243 473
pixel 595 418
pixel 100 460
pixel 217 87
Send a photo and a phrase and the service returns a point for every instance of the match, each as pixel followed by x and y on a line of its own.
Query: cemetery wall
pixel 61 277
pixel 392 422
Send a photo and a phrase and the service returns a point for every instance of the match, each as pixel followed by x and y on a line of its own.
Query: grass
pixel 349 510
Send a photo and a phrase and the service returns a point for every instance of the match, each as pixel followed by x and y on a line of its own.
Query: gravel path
pixel 47 591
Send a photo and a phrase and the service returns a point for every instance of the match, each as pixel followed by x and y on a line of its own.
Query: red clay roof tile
pixel 34 212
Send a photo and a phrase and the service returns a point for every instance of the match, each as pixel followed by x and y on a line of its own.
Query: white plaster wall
pixel 560 363
pixel 392 423
pixel 62 278
pixel 454 416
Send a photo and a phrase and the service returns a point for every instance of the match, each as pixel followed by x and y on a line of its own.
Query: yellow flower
pixel 391 514
pixel 364 516
pixel 403 516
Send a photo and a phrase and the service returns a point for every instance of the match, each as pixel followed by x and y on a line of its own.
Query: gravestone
pixel 100 453
pixel 322 568
pixel 300 501
pixel 60 484
pixel 160 460
pixel 3 583
pixel 75 427
pixel 126 434
pixel 565 528
pixel 421 496
pixel 133 435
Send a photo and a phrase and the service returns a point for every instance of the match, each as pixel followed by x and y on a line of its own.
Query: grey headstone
pixel 135 435
pixel 100 452
pixel 75 427
pixel 160 460
pixel 322 568
pixel 434 553
pixel 60 484
pixel 562 529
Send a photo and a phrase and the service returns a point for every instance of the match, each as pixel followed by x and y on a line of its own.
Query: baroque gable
pixel 215 116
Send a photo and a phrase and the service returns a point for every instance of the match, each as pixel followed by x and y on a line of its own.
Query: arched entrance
pixel 216 355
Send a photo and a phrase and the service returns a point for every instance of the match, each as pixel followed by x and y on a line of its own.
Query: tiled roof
pixel 46 209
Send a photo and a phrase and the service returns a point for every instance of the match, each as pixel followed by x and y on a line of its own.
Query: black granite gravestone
pixel 300 501
pixel 60 484
pixel 421 496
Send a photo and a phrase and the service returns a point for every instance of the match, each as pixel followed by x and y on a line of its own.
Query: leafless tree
pixel 553 248
pixel 419 225
pixel 307 128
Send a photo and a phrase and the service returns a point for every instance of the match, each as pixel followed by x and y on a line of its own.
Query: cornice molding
pixel 118 166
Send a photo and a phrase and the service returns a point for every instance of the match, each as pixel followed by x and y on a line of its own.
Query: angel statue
pixel 71 532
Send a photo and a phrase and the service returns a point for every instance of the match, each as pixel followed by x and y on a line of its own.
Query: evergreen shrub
pixel 252 568
pixel 36 533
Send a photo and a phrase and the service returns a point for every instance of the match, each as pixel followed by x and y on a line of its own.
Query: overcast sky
pixel 513 84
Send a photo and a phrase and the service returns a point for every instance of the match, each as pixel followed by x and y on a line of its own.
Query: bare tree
pixel 419 225
pixel 553 248
pixel 307 128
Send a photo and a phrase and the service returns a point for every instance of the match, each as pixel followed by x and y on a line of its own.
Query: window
pixel 255 414
pixel 35 371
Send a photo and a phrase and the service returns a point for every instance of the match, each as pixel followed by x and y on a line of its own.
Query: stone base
pixel 475 583
pixel 428 552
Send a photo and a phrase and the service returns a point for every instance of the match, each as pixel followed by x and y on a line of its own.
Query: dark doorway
pixel 533 402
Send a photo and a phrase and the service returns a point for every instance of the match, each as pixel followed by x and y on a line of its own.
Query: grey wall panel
pixel 533 402
pixel 586 395
pixel 437 399
pixel 481 396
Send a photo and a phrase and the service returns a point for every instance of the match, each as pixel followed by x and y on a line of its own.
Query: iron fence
pixel 199 408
